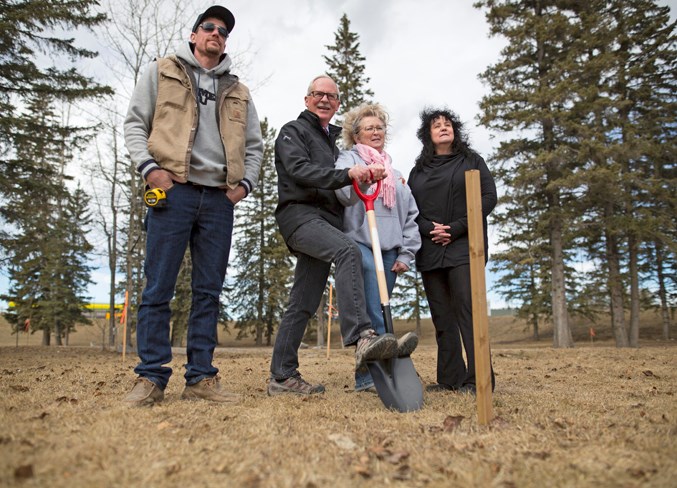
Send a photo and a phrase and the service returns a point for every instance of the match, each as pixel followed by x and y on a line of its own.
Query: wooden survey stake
pixel 330 309
pixel 479 297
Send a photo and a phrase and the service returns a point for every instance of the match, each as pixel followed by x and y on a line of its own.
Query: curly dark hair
pixel 428 115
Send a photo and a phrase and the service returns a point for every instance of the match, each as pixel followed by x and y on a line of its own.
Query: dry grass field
pixel 589 416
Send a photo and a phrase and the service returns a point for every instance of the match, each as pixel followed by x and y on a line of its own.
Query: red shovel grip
pixel 367 199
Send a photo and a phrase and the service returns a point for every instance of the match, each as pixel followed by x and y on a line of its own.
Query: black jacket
pixel 438 187
pixel 306 178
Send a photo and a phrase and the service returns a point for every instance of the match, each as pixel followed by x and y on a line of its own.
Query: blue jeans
pixel 201 217
pixel 373 298
pixel 316 245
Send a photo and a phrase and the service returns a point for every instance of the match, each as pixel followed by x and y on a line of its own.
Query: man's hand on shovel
pixel 367 174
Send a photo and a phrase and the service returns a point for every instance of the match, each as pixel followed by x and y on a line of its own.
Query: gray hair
pixel 353 119
pixel 319 77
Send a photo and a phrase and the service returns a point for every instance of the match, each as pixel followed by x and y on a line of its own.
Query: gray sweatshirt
pixel 207 156
pixel 397 228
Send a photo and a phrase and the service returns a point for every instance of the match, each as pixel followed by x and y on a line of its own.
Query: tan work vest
pixel 176 117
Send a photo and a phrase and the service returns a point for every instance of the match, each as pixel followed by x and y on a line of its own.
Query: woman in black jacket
pixel 438 185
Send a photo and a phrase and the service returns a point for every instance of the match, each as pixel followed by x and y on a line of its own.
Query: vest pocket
pixel 236 110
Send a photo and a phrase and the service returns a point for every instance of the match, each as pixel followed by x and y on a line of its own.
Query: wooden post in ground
pixel 479 297
pixel 124 326
pixel 330 310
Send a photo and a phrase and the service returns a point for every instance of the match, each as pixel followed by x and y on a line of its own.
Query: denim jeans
pixel 316 245
pixel 373 298
pixel 201 217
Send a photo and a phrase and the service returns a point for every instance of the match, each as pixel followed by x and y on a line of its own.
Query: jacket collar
pixel 334 130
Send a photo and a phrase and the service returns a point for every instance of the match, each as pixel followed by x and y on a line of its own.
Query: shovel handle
pixel 367 199
pixel 376 251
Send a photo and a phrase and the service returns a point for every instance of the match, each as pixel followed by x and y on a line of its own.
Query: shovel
pixel 396 381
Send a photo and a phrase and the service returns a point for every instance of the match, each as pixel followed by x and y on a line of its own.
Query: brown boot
pixel 210 389
pixel 145 393
pixel 406 344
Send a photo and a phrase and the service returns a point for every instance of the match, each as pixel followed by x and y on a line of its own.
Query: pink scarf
pixel 370 156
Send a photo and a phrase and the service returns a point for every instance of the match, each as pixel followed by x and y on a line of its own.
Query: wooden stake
pixel 479 297
pixel 124 326
pixel 330 309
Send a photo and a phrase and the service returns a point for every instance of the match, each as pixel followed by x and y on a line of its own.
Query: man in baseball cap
pixel 217 12
pixel 191 130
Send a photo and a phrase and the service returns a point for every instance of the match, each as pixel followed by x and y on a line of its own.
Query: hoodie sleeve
pixel 139 120
pixel 253 149
pixel 347 195
pixel 411 237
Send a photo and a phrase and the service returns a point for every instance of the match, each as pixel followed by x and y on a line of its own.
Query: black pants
pixel 450 300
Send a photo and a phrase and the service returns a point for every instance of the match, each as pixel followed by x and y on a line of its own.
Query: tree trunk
pixel 561 330
pixel 615 282
pixel 534 294
pixel 45 337
pixel 634 292
pixel 269 332
pixel 662 295
pixel 57 333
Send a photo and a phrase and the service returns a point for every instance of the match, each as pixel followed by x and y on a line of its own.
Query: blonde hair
pixel 353 119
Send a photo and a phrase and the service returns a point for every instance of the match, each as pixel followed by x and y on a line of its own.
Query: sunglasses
pixel 209 27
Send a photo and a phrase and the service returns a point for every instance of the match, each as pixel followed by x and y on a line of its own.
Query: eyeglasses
pixel 318 95
pixel 373 128
pixel 210 26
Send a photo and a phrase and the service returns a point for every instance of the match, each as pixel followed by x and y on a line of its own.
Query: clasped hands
pixel 440 234
pixel 367 174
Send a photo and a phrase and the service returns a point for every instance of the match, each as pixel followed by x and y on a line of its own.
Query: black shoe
pixel 439 387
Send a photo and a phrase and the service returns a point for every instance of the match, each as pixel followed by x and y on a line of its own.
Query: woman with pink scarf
pixel 364 136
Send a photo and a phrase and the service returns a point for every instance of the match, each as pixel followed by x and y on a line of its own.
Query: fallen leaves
pixel 452 422
pixel 65 399
pixel 385 453
pixel 343 442
pixel 24 472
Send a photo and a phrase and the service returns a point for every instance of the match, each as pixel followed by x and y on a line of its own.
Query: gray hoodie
pixel 207 162
pixel 397 228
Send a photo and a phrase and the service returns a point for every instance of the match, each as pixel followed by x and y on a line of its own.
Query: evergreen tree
pixel 409 301
pixel 29 28
pixel 626 67
pixel 262 261
pixel 346 67
pixel 522 265
pixel 530 96
pixel 45 241
pixel 589 87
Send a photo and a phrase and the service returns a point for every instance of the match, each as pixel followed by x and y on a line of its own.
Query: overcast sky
pixel 418 53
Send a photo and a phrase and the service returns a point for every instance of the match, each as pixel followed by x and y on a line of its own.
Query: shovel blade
pixel 397 384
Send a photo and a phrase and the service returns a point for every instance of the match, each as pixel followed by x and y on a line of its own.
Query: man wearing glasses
pixel 191 130
pixel 310 218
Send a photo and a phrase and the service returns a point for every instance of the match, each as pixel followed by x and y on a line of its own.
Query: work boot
pixel 144 393
pixel 406 344
pixel 210 389
pixel 371 347
pixel 295 385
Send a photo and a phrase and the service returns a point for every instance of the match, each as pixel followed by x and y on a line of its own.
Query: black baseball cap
pixel 217 12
